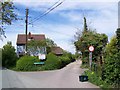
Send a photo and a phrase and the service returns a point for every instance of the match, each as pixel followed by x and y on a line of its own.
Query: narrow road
pixel 68 77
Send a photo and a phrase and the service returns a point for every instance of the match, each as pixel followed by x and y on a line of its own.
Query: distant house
pixel 57 51
pixel 21 41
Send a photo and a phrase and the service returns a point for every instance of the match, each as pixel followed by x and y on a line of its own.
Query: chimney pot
pixel 29 35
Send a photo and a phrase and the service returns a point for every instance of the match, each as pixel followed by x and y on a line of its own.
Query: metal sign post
pixel 90 59
pixel 91 49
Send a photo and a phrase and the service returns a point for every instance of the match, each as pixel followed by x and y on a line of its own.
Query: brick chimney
pixel 29 35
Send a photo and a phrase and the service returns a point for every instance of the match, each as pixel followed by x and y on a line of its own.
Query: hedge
pixel 26 63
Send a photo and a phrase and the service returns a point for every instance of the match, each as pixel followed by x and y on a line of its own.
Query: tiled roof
pixel 57 50
pixel 21 39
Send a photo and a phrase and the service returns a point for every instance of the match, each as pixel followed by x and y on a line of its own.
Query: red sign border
pixel 92 50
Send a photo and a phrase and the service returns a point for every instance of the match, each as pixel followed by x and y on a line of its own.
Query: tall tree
pixel 112 64
pixel 85 25
pixel 87 38
pixel 36 46
pixel 50 42
pixel 9 56
pixel 118 38
pixel 7 15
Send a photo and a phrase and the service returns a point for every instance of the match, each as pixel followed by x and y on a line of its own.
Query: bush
pixel 73 58
pixel 84 66
pixel 64 61
pixel 69 55
pixel 85 60
pixel 0 57
pixel 97 80
pixel 112 64
pixel 56 62
pixel 51 63
pixel 9 56
pixel 26 63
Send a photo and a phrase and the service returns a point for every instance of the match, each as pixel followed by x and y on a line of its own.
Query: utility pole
pixel 26 21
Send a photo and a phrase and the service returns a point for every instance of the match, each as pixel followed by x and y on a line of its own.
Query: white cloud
pixel 61 34
pixel 56 32
pixel 72 16
pixel 10 37
pixel 67 46
pixel 102 15
pixel 67 4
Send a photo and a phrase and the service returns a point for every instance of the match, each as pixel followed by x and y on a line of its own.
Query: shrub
pixel 9 56
pixel 84 66
pixel 69 55
pixel 112 64
pixel 26 63
pixel 0 57
pixel 56 62
pixel 64 60
pixel 97 80
pixel 51 63
pixel 73 58
pixel 85 60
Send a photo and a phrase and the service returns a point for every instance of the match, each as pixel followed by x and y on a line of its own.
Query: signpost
pixel 42 56
pixel 91 49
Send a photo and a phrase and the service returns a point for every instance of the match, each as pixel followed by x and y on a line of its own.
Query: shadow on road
pixel 3 68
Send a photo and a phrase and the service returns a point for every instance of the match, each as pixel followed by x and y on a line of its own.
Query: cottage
pixel 57 51
pixel 21 41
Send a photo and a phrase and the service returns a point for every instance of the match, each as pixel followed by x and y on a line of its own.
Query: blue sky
pixel 61 23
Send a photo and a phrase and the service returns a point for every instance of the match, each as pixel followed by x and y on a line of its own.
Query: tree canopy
pixel 50 42
pixel 87 38
pixel 9 56
pixel 7 15
pixel 36 46
pixel 33 45
pixel 118 38
pixel 112 63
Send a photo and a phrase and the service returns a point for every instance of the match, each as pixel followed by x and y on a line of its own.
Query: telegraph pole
pixel 26 21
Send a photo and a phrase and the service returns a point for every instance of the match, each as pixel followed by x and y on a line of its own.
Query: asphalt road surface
pixel 68 77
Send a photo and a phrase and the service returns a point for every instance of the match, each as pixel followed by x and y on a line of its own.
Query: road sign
pixel 91 48
pixel 42 56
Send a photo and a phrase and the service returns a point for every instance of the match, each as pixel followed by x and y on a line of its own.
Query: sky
pixel 63 22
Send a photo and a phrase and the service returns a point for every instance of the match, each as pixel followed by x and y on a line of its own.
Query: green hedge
pixel 56 62
pixel 52 62
pixel 97 80
pixel 26 63
pixel 64 61
pixel 85 60
pixel 9 56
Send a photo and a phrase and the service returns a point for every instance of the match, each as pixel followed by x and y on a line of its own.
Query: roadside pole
pixel 90 60
pixel 91 49
pixel 26 29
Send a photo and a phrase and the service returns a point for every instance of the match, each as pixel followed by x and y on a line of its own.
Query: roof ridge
pixel 31 34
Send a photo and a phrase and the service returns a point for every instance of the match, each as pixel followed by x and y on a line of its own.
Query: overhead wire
pixel 55 5
pixel 48 11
